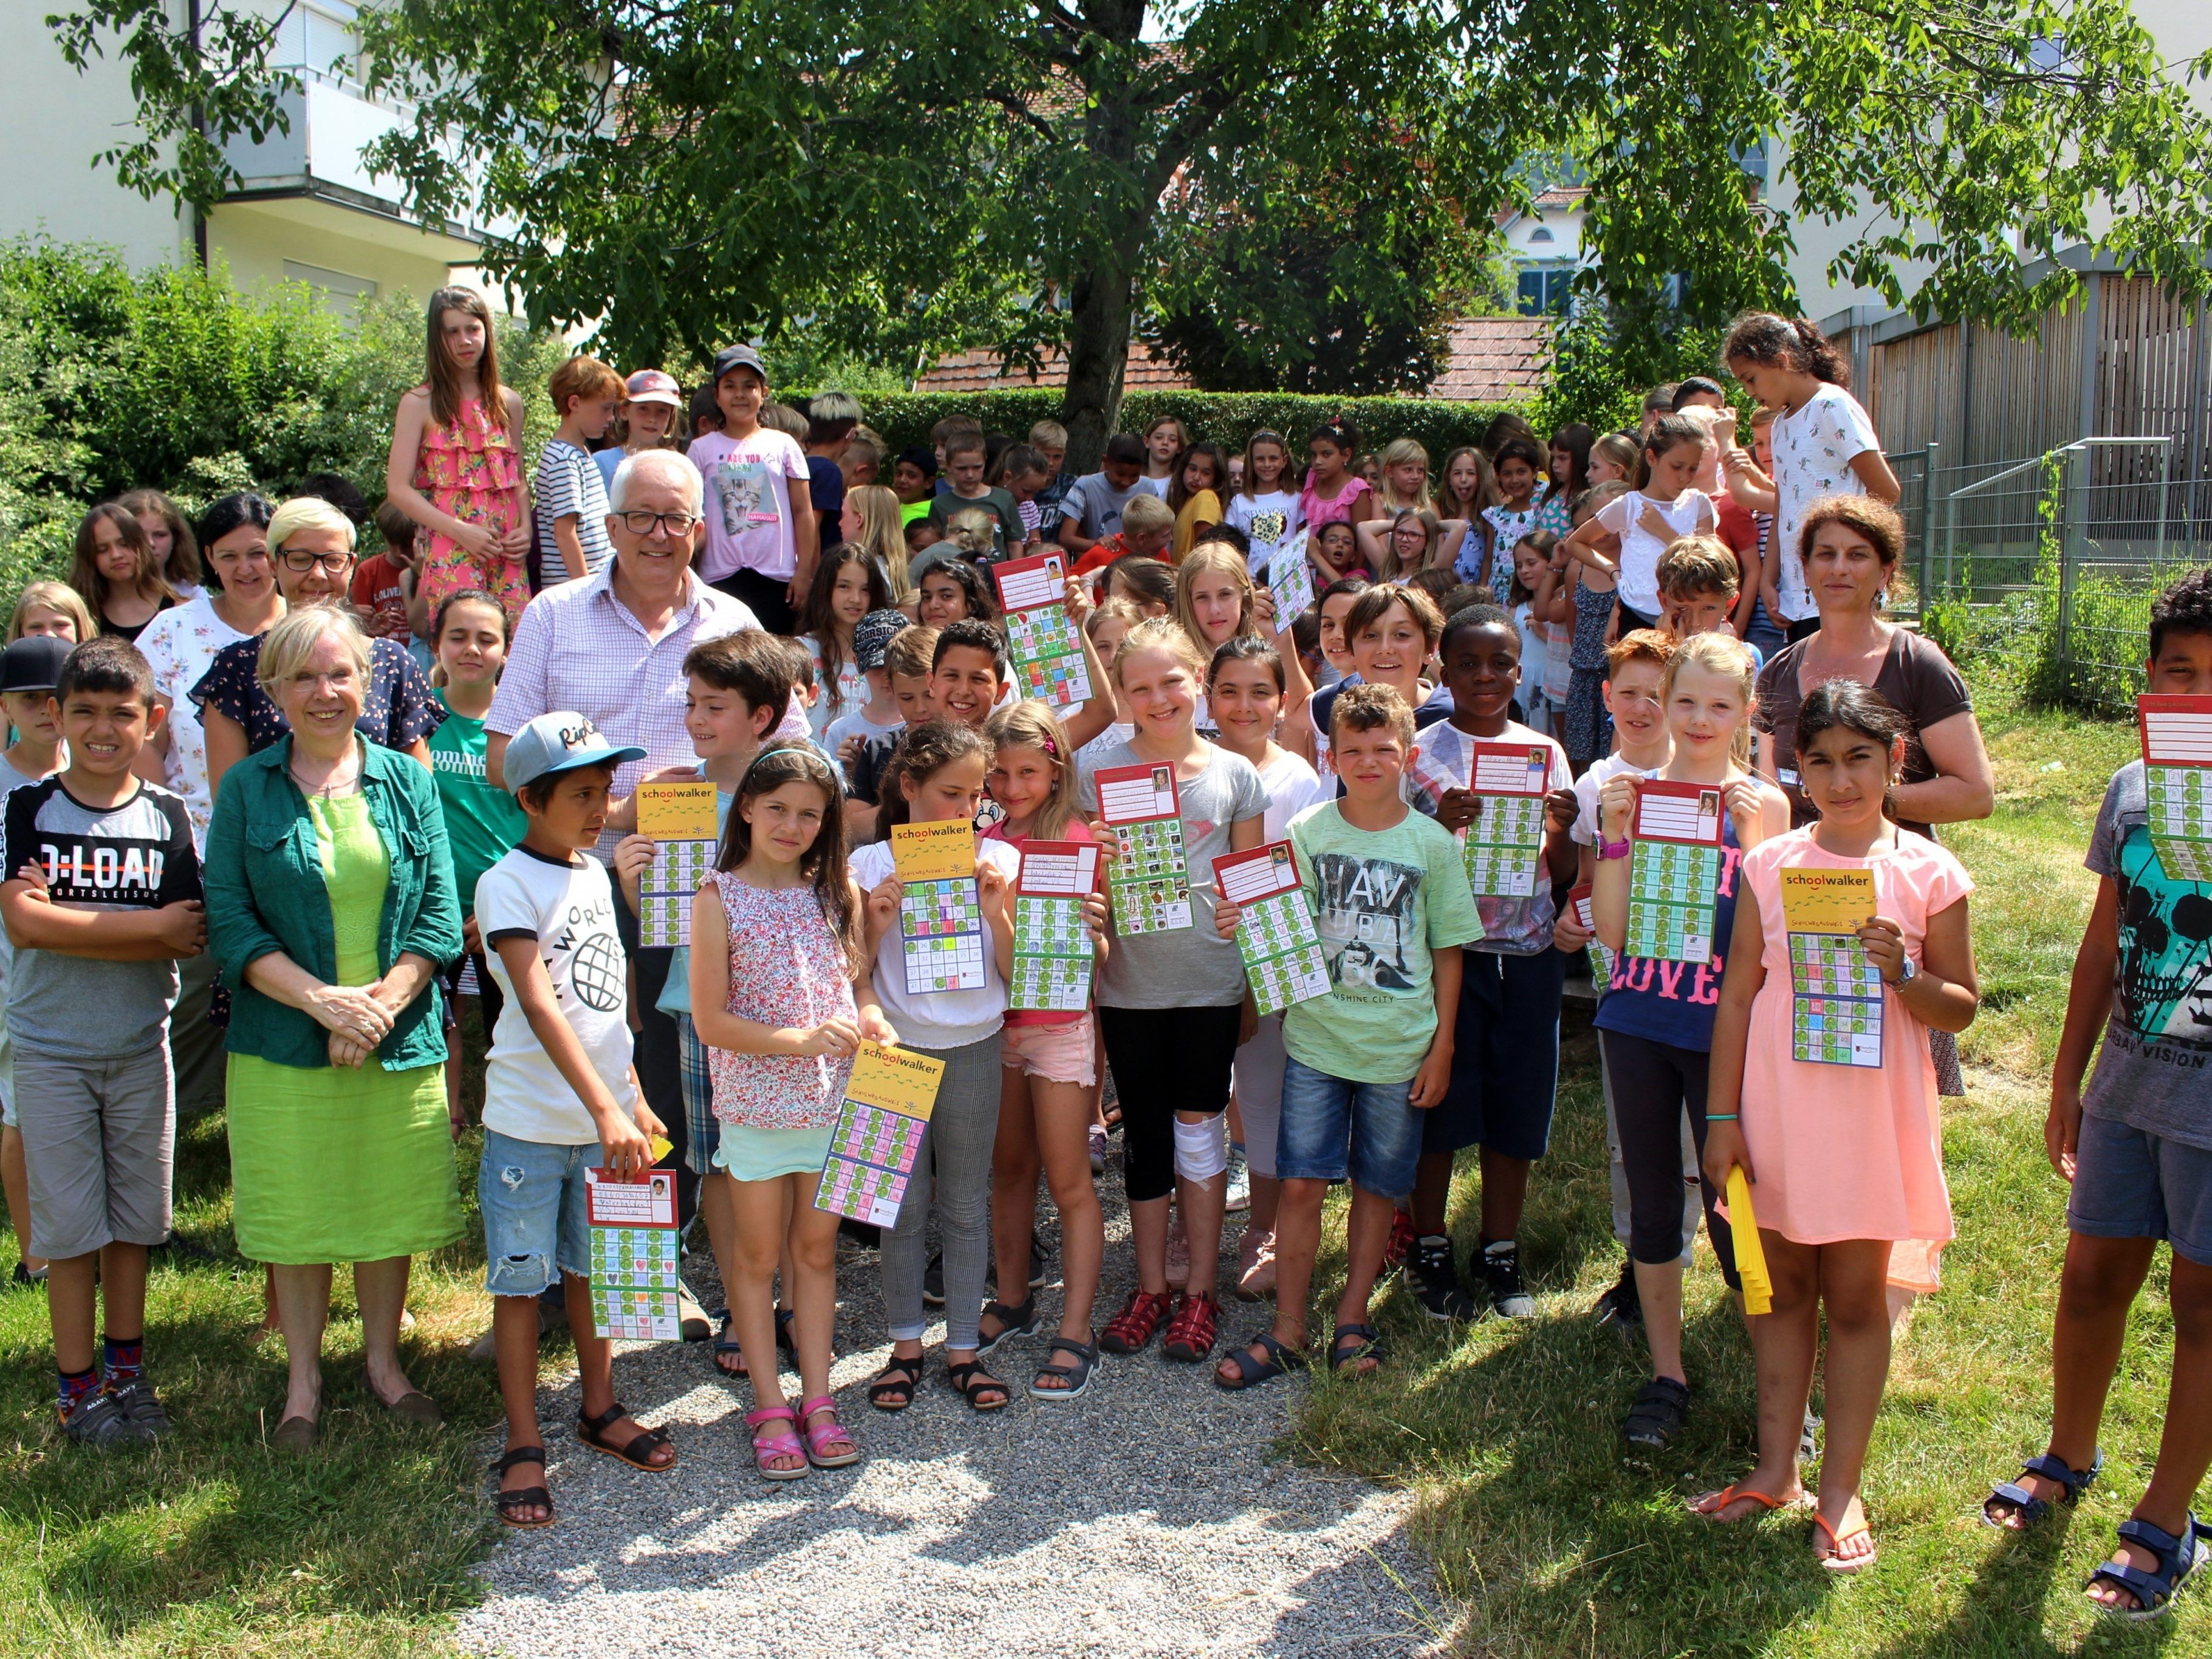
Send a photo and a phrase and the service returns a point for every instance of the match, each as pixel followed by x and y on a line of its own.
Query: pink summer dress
pixel 787 968
pixel 470 469
pixel 1847 1151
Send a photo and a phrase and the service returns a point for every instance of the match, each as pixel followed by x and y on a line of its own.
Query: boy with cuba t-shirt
pixel 561 1096
pixel 2136 1146
pixel 111 900
pixel 1393 907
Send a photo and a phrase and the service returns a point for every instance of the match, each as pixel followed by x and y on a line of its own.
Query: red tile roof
pixel 1493 359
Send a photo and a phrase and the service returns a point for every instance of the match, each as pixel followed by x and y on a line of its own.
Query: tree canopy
pixel 1288 189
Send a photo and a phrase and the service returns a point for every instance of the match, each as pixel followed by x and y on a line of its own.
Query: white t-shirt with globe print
pixel 569 909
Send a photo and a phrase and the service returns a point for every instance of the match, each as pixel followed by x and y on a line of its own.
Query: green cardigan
pixel 266 894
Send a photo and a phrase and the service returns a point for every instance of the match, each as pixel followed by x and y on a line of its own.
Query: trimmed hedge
pixel 1226 417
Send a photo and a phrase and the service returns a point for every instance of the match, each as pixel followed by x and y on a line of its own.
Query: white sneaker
pixel 1098 1149
pixel 1239 1198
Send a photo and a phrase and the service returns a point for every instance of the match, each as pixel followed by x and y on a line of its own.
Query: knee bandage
pixel 1201 1148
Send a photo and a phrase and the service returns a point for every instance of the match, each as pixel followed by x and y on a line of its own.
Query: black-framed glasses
pixel 674 524
pixel 302 561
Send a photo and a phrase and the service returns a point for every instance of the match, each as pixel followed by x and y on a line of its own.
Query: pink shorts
pixel 1062 1052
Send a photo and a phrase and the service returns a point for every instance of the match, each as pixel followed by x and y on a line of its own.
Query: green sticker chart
pixel 634 1249
pixel 2176 747
pixel 1675 870
pixel 941 908
pixel 1275 934
pixel 1580 898
pixel 1503 842
pixel 877 1137
pixel 1151 878
pixel 1290 579
pixel 1041 639
pixel 679 817
pixel 1053 953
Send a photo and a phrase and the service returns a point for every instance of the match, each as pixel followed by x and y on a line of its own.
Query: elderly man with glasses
pixel 611 645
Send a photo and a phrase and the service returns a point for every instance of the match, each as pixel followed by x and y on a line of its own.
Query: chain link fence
pixel 2042 570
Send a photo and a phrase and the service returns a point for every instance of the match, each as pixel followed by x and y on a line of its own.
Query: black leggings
pixel 1653 1085
pixel 1165 1060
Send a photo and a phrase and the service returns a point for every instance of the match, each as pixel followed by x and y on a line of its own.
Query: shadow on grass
pixel 211 1531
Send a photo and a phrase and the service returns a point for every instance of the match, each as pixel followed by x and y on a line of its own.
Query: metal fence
pixel 2056 557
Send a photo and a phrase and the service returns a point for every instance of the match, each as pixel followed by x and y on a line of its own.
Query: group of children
pixel 1595 607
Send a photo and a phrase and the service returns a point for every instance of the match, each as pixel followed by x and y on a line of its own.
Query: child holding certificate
pixel 936 778
pixel 781 996
pixel 1172 1000
pixel 1046 1049
pixel 1845 1164
pixel 1655 1023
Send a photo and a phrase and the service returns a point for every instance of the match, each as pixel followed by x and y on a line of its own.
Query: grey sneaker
pixel 1239 1198
pixel 1501 1277
pixel 101 1419
pixel 144 1407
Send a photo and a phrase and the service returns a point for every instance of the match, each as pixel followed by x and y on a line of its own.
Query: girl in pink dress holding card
pixel 1845 1159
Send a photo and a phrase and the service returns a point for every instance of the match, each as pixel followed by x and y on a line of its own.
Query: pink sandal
pixel 830 1434
pixel 782 1443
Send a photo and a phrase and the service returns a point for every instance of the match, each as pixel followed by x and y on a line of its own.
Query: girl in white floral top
pixel 782 998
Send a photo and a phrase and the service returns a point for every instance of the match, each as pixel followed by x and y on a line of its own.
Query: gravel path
pixel 1153 1516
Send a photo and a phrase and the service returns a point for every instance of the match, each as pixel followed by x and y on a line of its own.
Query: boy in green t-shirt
pixel 964 487
pixel 1392 905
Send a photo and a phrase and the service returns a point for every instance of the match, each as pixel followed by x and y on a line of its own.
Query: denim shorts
pixel 537 1224
pixel 2130 1183
pixel 1331 1128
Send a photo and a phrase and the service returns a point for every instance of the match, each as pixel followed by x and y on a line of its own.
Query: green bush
pixel 112 379
pixel 1226 417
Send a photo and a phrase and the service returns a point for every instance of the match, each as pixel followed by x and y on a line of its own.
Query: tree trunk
pixel 1098 353
pixel 1103 291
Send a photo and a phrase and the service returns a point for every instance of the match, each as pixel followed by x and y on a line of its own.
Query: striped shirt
pixel 568 485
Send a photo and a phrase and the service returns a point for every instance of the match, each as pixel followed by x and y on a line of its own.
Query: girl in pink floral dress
pixel 456 465
pixel 782 998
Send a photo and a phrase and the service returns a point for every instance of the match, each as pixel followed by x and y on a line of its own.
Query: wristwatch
pixel 1613 849
pixel 1907 974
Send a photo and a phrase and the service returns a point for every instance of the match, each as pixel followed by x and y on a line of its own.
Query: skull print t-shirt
pixel 568 908
pixel 2151 1071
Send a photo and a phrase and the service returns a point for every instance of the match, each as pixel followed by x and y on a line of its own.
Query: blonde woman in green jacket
pixel 331 910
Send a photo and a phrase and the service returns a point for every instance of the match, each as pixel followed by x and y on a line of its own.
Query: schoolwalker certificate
pixel 1580 898
pixel 1835 992
pixel 680 819
pixel 1275 932
pixel 1053 950
pixel 940 909
pixel 1048 655
pixel 2177 747
pixel 633 1249
pixel 1151 879
pixel 1290 579
pixel 1675 870
pixel 1503 842
pixel 878 1133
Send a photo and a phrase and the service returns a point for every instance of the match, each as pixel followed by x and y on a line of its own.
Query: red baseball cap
pixel 650 386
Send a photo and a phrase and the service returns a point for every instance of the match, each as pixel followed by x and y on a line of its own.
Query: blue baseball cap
pixel 559 742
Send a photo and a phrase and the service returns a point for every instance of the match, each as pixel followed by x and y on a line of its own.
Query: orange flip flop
pixel 1833 1561
pixel 1712 1502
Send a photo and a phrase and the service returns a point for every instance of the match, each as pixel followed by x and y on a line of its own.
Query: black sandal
pixel 1367 1344
pixel 591 1430
pixel 970 1380
pixel 511 1504
pixel 1662 1406
pixel 2178 1557
pixel 1077 1377
pixel 2071 1484
pixel 896 1385
pixel 726 1344
pixel 1250 1372
pixel 1012 1321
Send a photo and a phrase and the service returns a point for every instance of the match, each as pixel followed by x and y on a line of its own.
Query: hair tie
pixel 1050 747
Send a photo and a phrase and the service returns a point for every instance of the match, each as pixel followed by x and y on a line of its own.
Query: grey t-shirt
pixel 1191 967
pixel 137 856
pixel 2151 1073
pixel 1094 507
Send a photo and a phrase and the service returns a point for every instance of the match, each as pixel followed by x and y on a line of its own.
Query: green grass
pixel 1547 1541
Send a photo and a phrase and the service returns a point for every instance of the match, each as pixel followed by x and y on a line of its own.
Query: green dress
pixel 328 1163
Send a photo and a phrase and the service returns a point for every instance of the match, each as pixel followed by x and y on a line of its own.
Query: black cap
pixel 33 664
pixel 738 357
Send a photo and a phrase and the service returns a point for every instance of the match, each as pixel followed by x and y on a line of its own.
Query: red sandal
pixel 1129 1330
pixel 1192 1332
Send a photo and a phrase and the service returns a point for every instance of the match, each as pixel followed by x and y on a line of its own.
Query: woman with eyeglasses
pixel 312 545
